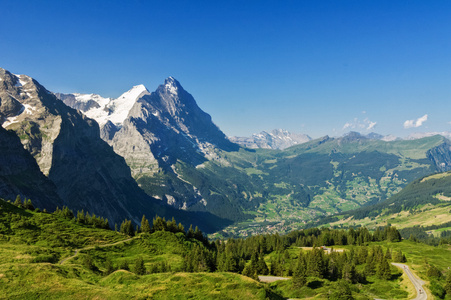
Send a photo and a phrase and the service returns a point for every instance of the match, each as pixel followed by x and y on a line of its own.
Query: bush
pixel 45 258
pixel 437 289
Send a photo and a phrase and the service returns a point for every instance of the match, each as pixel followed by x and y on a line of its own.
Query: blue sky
pixel 315 67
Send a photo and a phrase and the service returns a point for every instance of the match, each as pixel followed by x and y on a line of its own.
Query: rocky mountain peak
pixel 172 85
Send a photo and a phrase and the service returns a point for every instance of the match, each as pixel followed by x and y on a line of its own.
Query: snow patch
pixel 114 110
pixel 12 120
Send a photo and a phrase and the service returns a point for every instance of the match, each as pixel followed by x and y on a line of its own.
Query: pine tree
pixel 127 228
pixel 349 273
pixel 262 268
pixel 383 270
pixel 140 268
pixel 145 226
pixel 190 233
pixel 18 201
pixel 299 273
pixel 315 264
pixel 28 204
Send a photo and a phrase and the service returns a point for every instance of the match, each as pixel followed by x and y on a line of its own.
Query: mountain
pixel 67 147
pixel 419 135
pixel 161 130
pixel 104 110
pixel 178 155
pixel 20 174
pixel 386 138
pixel 276 139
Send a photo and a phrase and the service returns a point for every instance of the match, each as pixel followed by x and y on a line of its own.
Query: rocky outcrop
pixel 441 156
pixel 20 174
pixel 71 101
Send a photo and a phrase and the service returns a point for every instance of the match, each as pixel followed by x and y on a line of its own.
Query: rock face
pixel 156 132
pixel 441 156
pixel 167 126
pixel 20 174
pixel 66 145
pixel 276 139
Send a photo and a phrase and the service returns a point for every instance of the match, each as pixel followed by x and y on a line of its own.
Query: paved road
pixel 418 283
pixel 271 278
pixel 92 247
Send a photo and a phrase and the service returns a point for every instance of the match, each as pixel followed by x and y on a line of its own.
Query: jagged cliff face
pixel 25 108
pixel 441 156
pixel 20 174
pixel 155 132
pixel 67 147
pixel 167 126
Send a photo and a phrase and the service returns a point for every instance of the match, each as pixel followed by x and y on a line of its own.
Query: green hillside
pixel 62 256
pixel 34 247
pixel 421 209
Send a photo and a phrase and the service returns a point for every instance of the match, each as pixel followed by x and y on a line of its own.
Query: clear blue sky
pixel 316 67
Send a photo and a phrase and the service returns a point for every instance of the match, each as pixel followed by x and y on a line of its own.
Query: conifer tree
pixel 159 224
pixel 18 201
pixel 383 270
pixel 262 268
pixel 28 204
pixel 127 228
pixel 145 226
pixel 299 273
pixel 140 268
pixel 190 232
pixel 315 264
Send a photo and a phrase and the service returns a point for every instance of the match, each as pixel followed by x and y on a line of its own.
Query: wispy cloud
pixel 366 124
pixel 415 123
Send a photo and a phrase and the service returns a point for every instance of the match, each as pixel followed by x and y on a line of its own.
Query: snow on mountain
pixel 276 139
pixel 105 109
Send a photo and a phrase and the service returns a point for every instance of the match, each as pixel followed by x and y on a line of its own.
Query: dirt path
pixel 92 247
pixel 417 283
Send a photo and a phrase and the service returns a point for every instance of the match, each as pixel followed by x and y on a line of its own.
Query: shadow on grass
pixel 315 284
pixel 395 276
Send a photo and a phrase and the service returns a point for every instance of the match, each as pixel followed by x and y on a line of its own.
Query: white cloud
pixel 371 125
pixel 361 125
pixel 415 123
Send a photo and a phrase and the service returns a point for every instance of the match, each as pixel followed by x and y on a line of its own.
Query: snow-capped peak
pixel 171 85
pixel 109 109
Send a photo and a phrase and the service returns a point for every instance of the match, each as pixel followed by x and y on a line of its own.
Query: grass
pixel 425 215
pixel 32 244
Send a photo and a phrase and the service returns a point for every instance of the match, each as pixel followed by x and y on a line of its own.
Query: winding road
pixel 417 283
pixel 92 247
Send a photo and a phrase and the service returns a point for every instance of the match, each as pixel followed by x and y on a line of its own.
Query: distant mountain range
pixel 159 153
pixel 276 139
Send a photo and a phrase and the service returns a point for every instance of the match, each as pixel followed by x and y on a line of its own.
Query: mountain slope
pixel 20 174
pixel 66 145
